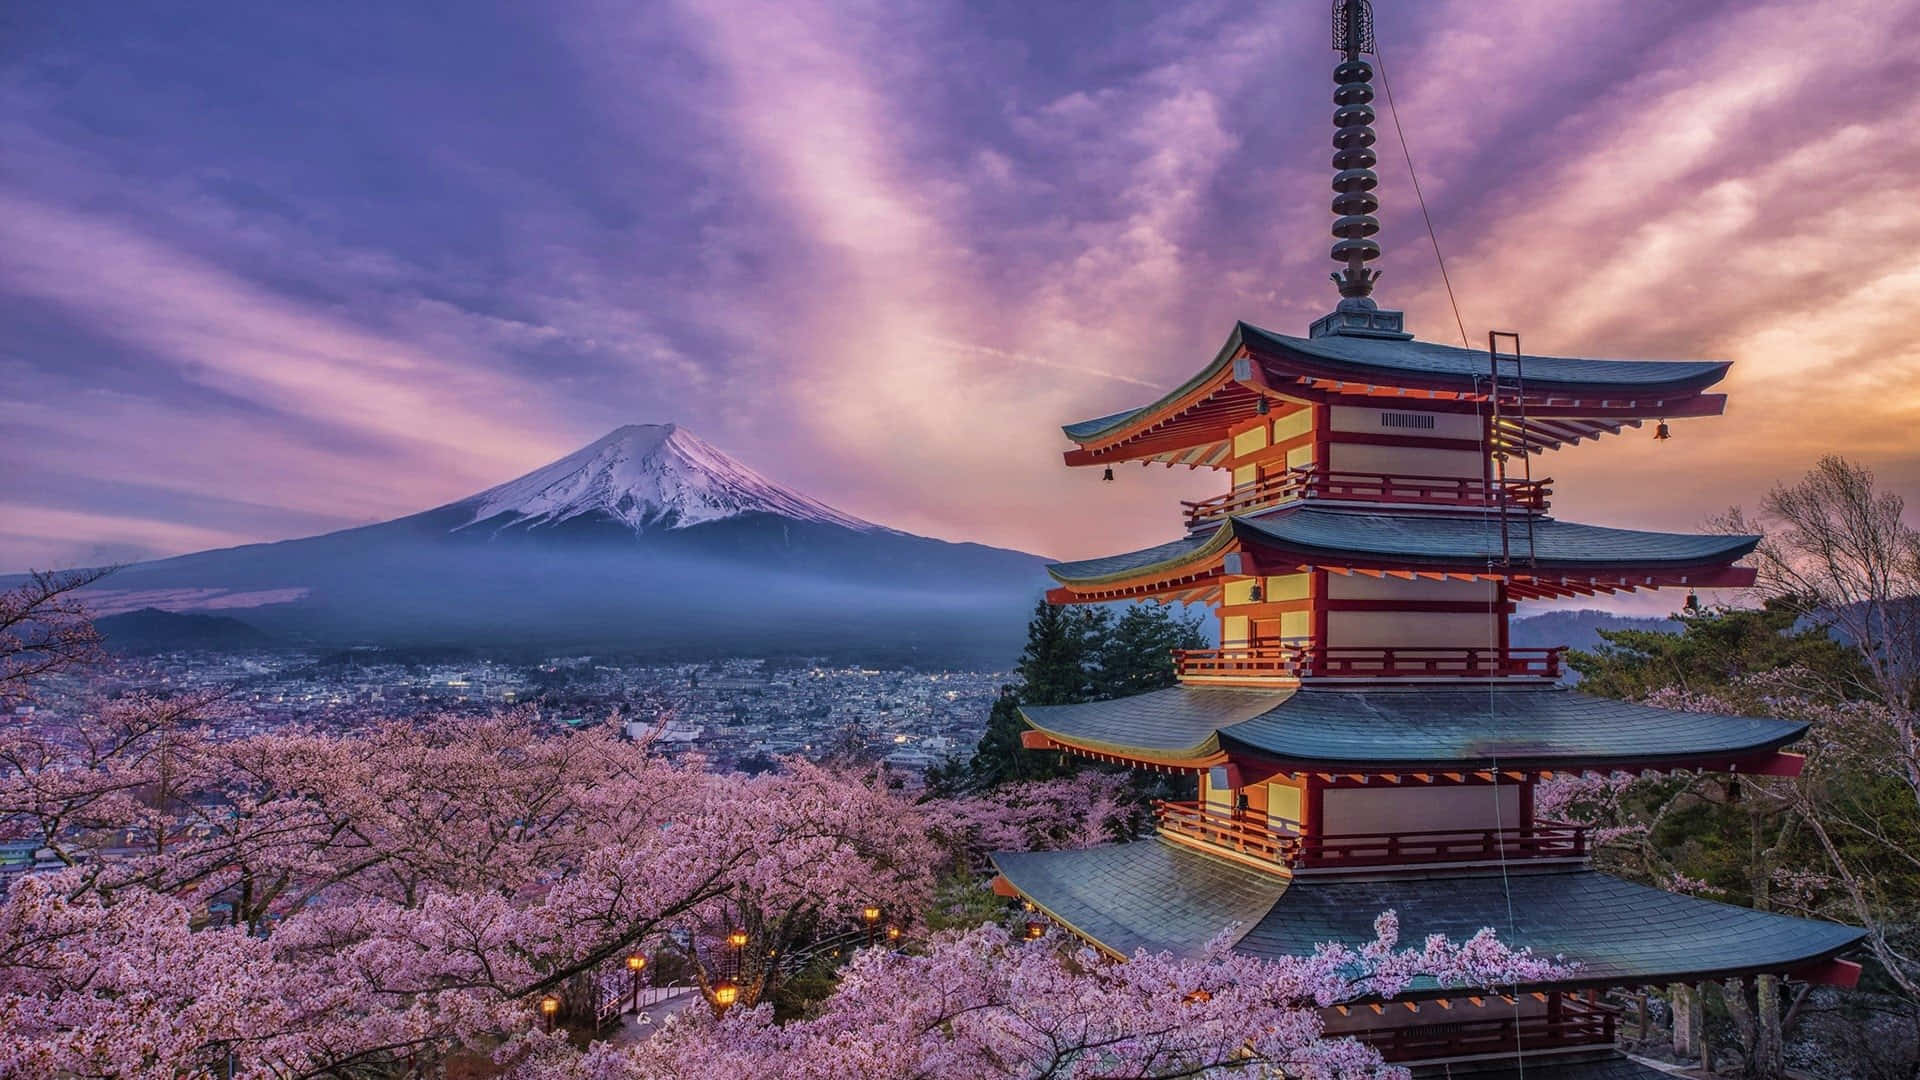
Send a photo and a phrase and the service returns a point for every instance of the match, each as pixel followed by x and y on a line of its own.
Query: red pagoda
pixel 1366 737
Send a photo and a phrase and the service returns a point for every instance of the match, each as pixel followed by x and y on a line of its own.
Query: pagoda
pixel 1366 737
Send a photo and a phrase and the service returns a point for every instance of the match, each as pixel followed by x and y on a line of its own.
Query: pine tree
pixel 1138 655
pixel 1076 654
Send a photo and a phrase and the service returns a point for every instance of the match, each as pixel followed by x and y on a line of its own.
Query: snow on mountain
pixel 648 476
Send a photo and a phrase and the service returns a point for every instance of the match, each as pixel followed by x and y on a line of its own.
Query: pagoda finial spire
pixel 1353 158
pixel 1354 180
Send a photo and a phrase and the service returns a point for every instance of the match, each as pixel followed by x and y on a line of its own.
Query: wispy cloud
pixel 884 251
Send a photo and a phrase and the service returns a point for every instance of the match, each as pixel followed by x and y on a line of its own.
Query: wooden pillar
pixel 1689 1020
pixel 1640 999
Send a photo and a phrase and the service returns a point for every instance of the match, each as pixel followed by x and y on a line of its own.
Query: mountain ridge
pixel 646 539
pixel 646 476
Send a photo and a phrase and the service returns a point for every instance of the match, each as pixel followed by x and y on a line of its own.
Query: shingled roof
pixel 1421 539
pixel 1163 897
pixel 1425 365
pixel 1518 726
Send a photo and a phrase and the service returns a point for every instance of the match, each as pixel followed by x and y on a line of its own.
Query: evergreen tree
pixel 1137 656
pixel 1715 648
pixel 1075 654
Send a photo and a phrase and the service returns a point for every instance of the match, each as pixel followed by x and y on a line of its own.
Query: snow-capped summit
pixel 648 477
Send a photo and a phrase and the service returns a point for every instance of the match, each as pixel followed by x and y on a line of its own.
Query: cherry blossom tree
pixel 301 904
pixel 45 628
pixel 983 1004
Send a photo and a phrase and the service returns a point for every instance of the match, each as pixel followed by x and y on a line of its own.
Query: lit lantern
pixel 726 993
pixel 1036 931
pixel 636 963
pixel 870 914
pixel 737 939
pixel 893 933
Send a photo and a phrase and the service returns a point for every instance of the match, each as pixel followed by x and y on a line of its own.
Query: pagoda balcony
pixel 1258 664
pixel 1308 482
pixel 1578 1024
pixel 1336 850
pixel 1249 836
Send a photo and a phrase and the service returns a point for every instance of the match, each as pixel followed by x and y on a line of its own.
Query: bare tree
pixel 44 628
pixel 1839 550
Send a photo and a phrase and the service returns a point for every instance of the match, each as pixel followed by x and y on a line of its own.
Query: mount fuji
pixel 644 477
pixel 649 540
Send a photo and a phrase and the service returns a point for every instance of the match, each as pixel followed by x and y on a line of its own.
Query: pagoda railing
pixel 1219 828
pixel 1575 1026
pixel 1443 845
pixel 1236 662
pixel 1388 662
pixel 1249 834
pixel 1308 482
pixel 1259 662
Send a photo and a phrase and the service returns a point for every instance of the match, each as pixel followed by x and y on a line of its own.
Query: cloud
pixel 884 251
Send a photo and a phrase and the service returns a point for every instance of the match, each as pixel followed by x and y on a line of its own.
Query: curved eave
pixel 1763 759
pixel 1619 933
pixel 1166 564
pixel 1101 730
pixel 1188 424
pixel 1445 368
pixel 1454 728
pixel 1277 536
pixel 1160 897
pixel 1105 432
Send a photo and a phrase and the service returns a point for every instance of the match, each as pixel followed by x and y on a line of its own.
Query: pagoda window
pixel 1291 426
pixel 1278 588
pixel 1286 807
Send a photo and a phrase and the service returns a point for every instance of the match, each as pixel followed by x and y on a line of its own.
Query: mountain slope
pixel 649 539
pixel 644 476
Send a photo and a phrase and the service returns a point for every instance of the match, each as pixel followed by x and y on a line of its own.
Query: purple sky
pixel 273 269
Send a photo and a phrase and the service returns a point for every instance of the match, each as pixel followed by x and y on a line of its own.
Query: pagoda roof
pixel 1224 391
pixel 1406 727
pixel 1321 535
pixel 1453 538
pixel 1161 896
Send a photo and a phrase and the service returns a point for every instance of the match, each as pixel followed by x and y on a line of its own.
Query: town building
pixel 1365 738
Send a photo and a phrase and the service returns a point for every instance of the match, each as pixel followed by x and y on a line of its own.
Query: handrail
pixel 1367 662
pixel 1236 831
pixel 1310 482
pixel 1460 1038
pixel 1444 845
pixel 1226 830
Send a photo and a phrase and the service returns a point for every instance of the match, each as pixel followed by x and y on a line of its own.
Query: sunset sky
pixel 272 269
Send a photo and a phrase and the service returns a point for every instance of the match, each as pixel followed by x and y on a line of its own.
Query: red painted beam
pixel 1778 763
pixel 1844 974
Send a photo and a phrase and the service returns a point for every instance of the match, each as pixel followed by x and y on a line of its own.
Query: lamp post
pixel 549 1008
pixel 635 965
pixel 725 993
pixel 737 938
pixel 871 916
